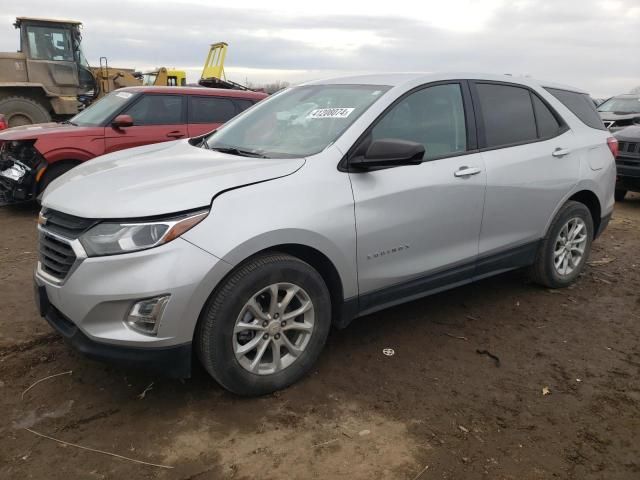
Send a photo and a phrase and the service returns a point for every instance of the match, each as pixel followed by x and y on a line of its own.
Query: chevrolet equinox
pixel 323 203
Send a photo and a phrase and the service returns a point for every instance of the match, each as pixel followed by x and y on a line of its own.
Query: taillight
pixel 612 143
pixel 3 123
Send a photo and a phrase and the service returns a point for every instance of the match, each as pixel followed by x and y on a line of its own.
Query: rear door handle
pixel 466 171
pixel 561 152
pixel 175 134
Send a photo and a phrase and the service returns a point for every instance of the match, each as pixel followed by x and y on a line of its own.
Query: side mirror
pixel 390 152
pixel 122 121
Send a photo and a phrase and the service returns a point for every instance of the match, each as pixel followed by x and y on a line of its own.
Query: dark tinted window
pixel 157 110
pixel 433 116
pixel 210 110
pixel 580 105
pixel 243 104
pixel 548 125
pixel 508 114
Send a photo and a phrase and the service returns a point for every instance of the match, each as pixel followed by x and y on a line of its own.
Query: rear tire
pixel 620 194
pixel 253 345
pixel 563 253
pixel 23 111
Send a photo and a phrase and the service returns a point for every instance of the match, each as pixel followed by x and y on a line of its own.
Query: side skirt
pixel 486 266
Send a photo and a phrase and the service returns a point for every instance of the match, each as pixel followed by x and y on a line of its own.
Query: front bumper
pixel 90 306
pixel 173 362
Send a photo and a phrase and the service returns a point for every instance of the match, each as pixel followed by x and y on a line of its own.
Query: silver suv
pixel 326 202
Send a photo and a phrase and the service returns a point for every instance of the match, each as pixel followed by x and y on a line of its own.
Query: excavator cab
pixel 164 77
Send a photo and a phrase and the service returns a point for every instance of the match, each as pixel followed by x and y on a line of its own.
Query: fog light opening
pixel 145 315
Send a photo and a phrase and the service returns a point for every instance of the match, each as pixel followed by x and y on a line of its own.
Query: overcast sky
pixel 592 44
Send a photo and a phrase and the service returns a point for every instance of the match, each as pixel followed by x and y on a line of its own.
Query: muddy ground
pixel 435 407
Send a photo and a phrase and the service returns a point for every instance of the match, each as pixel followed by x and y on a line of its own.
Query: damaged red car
pixel 32 156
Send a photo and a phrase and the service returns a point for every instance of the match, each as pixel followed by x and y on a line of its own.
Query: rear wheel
pixel 620 194
pixel 264 328
pixel 23 111
pixel 563 253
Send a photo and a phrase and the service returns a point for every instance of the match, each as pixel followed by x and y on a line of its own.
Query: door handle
pixel 561 152
pixel 175 134
pixel 465 171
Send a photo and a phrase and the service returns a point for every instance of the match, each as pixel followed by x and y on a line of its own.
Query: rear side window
pixel 548 124
pixel 242 104
pixel 580 105
pixel 508 115
pixel 157 110
pixel 210 110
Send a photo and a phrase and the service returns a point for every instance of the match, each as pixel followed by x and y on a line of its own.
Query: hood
pixel 157 180
pixel 28 132
pixel 628 134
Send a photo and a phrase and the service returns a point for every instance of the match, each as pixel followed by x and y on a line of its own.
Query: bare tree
pixel 268 87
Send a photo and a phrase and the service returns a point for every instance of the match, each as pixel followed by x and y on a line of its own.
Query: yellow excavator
pixel 49 77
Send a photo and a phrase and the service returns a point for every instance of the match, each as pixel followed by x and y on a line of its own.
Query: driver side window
pixel 433 117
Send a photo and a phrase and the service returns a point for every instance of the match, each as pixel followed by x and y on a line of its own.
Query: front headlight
pixel 110 238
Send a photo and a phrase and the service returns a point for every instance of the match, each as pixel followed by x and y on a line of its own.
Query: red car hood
pixel 27 132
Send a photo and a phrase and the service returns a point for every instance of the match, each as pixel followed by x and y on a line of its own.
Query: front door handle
pixel 175 134
pixel 561 152
pixel 465 171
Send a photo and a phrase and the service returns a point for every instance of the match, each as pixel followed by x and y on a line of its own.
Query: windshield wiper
pixel 69 122
pixel 239 151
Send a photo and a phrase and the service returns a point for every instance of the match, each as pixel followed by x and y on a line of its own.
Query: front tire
pixel 53 171
pixel 265 326
pixel 563 253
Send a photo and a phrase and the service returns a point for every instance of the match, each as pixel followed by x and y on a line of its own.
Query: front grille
pixel 56 256
pixel 57 232
pixel 64 224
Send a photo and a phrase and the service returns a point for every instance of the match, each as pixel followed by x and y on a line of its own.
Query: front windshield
pixel 101 111
pixel 50 43
pixel 621 105
pixel 297 122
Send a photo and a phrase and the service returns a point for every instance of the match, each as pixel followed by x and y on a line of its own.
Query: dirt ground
pixel 435 410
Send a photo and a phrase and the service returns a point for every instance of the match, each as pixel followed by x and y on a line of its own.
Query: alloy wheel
pixel 570 245
pixel 273 328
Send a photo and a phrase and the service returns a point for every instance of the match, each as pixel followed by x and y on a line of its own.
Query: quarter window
pixel 507 113
pixel 433 116
pixel 210 110
pixel 548 125
pixel 580 105
pixel 157 110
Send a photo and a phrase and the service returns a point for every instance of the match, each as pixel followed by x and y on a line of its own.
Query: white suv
pixel 325 202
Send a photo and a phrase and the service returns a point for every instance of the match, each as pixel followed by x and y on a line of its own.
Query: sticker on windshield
pixel 124 94
pixel 330 113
